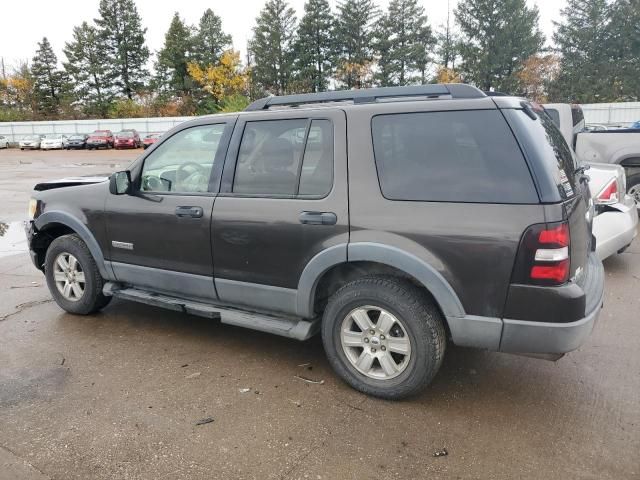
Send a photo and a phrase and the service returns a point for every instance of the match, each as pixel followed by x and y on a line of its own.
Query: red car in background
pixel 128 139
pixel 150 139
pixel 99 139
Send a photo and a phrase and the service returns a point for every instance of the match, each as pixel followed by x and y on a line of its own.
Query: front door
pixel 283 199
pixel 160 235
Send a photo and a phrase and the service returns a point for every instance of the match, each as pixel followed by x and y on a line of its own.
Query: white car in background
pixel 53 142
pixel 615 223
pixel 31 142
pixel 4 142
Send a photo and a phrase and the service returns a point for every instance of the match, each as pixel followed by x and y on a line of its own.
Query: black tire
pixel 92 298
pixel 420 318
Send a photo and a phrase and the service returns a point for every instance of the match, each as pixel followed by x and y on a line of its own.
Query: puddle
pixel 13 240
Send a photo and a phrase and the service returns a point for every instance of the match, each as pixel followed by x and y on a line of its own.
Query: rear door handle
pixel 193 212
pixel 318 218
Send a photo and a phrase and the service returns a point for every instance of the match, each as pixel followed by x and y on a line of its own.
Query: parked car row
pixel 129 138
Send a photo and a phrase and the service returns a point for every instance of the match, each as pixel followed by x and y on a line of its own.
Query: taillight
pixel 543 256
pixel 609 194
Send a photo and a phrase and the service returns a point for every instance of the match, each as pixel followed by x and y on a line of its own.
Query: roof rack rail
pixel 369 95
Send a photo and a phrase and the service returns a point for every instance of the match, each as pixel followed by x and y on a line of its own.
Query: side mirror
pixel 120 183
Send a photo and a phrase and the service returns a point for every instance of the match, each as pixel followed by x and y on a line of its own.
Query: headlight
pixel 33 206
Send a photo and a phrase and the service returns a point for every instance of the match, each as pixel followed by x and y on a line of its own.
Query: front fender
pixel 63 218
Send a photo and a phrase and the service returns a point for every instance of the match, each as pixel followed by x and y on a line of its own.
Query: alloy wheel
pixel 375 342
pixel 69 277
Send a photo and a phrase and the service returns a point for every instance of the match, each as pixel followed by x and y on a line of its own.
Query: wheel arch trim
pixel 426 274
pixel 68 220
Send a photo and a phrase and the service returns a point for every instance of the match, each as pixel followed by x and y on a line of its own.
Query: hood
pixel 71 182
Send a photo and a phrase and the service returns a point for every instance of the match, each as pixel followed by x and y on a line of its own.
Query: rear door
pixel 283 199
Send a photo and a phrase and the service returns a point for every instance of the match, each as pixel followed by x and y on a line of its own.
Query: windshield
pixel 53 137
pixel 31 138
pixel 153 135
pixel 125 135
pixel 100 133
pixel 76 137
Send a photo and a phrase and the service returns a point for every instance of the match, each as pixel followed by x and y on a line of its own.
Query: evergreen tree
pixel 355 37
pixel 408 41
pixel 171 66
pixel 210 40
pixel 272 47
pixel 120 28
pixel 87 68
pixel 624 39
pixel 582 38
pixel 314 48
pixel 497 37
pixel 447 43
pixel 48 80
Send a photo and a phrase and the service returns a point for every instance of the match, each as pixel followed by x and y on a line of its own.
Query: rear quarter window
pixel 455 156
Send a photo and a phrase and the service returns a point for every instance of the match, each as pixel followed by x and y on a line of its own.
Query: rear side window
pixel 285 157
pixel 456 156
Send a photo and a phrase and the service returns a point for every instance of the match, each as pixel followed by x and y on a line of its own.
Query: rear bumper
pixel 520 336
pixel 616 228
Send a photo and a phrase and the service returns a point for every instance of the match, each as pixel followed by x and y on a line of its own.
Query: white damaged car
pixel 615 223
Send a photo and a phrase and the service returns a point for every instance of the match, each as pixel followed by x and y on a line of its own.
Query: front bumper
pixel 615 228
pixel 29 230
pixel 521 336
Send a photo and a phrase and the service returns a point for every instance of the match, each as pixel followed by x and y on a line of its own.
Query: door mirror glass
pixel 120 183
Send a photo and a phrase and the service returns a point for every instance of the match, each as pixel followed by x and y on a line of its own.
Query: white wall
pixel 16 130
pixel 612 113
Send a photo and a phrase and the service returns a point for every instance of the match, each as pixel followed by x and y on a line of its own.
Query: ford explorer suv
pixel 389 220
pixel 100 139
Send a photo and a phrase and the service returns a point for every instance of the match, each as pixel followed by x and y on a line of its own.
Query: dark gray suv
pixel 389 219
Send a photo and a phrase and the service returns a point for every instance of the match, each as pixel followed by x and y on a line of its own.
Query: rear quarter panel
pixel 473 246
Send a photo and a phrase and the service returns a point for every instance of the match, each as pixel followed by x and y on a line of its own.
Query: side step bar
pixel 295 328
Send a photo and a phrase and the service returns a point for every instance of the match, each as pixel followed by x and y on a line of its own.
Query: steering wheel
pixel 182 174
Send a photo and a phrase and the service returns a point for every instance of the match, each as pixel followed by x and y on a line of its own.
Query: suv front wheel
pixel 73 277
pixel 383 336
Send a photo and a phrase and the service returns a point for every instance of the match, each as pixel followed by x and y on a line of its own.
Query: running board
pixel 295 328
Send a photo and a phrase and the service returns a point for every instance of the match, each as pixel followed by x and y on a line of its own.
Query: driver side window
pixel 183 163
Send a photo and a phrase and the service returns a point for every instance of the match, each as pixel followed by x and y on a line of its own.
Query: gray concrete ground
pixel 118 395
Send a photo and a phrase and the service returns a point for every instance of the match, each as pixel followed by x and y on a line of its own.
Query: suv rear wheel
pixel 383 336
pixel 73 277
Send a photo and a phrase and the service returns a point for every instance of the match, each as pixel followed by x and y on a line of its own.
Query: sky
pixel 25 22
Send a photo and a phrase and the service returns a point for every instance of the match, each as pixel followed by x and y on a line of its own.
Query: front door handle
pixel 193 212
pixel 318 218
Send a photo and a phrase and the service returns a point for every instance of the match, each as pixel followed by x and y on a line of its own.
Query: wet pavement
pixel 119 395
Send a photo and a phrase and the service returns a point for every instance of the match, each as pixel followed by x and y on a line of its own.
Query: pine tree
pixel 87 68
pixel 447 43
pixel 408 41
pixel 314 48
pixel 48 80
pixel 272 47
pixel 624 39
pixel 497 37
pixel 121 30
pixel 210 40
pixel 582 38
pixel 171 66
pixel 355 37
